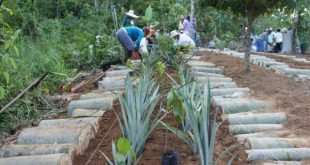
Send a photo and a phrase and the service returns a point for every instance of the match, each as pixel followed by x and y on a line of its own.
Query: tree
pixel 192 13
pixel 250 9
pixel 300 10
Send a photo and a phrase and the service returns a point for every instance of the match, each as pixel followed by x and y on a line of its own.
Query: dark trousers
pixel 278 47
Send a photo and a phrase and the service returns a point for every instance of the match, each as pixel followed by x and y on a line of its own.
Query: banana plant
pixel 121 150
pixel 148 15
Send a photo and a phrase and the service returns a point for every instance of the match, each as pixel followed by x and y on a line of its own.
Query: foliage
pixel 137 106
pixel 120 152
pixel 202 130
pixel 175 105
pixel 277 19
pixel 160 67
pixel 37 37
pixel 148 15
pixel 167 52
pixel 212 22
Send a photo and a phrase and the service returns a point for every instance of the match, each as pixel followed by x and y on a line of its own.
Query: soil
pixel 159 142
pixel 287 95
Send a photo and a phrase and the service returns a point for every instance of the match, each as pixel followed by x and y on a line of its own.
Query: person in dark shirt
pixel 128 18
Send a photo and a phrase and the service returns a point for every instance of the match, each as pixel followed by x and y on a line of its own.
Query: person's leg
pixel 277 47
pixel 126 42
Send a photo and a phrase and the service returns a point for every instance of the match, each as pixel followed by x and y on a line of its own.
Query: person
pixel 181 40
pixel 181 27
pixel 151 40
pixel 279 41
pixel 128 18
pixel 186 26
pixel 271 40
pixel 128 35
pixel 264 37
pixel 193 31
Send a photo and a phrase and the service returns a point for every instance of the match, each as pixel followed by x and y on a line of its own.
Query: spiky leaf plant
pixel 202 130
pixel 137 106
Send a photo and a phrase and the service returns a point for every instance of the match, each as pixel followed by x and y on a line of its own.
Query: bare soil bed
pixel 288 95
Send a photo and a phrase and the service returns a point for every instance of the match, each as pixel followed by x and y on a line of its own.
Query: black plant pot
pixel 171 158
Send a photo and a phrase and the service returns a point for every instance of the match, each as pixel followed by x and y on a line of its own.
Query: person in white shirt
pixel 182 40
pixel 279 40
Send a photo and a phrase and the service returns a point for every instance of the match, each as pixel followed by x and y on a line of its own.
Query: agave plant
pixel 201 131
pixel 137 107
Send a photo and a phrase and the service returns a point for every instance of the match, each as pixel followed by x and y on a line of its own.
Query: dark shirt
pixel 126 21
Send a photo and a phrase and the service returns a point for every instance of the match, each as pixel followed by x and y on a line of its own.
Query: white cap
pixel 174 33
pixel 131 13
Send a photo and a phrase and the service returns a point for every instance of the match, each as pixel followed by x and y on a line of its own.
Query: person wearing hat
pixel 182 40
pixel 127 36
pixel 128 18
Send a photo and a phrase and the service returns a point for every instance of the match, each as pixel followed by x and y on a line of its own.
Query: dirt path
pixel 290 96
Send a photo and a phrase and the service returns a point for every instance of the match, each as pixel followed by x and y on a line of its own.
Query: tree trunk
pixel 295 27
pixel 248 43
pixel 96 5
pixel 192 15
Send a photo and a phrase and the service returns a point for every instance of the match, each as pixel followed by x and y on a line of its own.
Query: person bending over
pixel 182 40
pixel 130 38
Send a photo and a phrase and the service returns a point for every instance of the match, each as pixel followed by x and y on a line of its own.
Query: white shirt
pixel 279 37
pixel 143 46
pixel 184 40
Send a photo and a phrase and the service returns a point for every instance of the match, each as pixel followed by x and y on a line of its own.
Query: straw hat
pixel 174 33
pixel 131 13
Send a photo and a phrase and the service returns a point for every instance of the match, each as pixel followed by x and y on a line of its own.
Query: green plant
pixel 120 152
pixel 160 67
pixel 137 107
pixel 202 131
pixel 175 105
pixel 220 44
pixel 148 15
pixel 167 52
